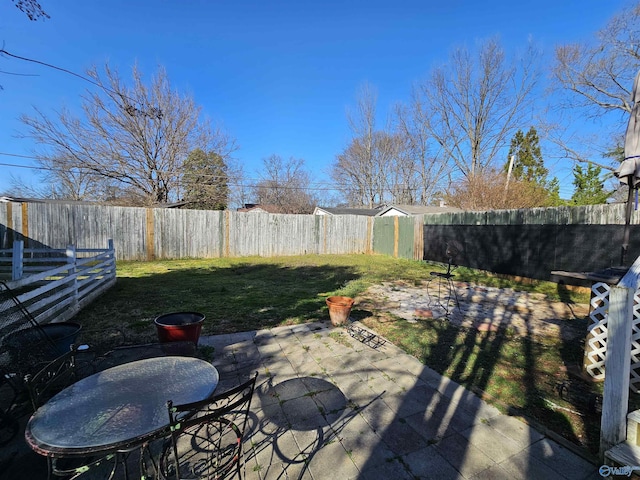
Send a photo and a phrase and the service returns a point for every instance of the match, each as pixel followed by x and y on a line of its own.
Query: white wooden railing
pixel 615 401
pixel 55 284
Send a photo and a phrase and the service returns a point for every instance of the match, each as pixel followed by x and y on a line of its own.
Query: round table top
pixel 114 407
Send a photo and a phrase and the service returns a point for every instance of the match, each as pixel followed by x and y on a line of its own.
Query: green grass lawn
pixel 519 375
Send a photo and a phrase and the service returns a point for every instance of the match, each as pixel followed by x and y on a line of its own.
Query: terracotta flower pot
pixel 339 309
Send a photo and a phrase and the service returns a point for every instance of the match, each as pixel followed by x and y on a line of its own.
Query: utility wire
pixel 163 172
pixel 254 182
pixel 20 74
pixel 18 57
pixel 156 112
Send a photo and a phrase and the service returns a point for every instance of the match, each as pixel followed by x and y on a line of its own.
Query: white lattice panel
pixel 634 382
pixel 596 344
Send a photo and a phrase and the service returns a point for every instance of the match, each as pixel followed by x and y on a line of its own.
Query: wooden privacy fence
pixel 148 233
pixel 57 283
pixel 532 243
pixel 400 237
pixel 158 233
pixel 606 214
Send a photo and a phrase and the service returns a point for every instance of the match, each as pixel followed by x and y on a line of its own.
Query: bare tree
pixel 476 101
pixel 362 169
pixel 423 174
pixel 594 78
pixel 135 138
pixel 285 184
pixel 75 184
pixel 599 75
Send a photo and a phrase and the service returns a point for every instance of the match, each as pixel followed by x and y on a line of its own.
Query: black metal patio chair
pixel 18 328
pixel 207 436
pixel 25 346
pixel 52 378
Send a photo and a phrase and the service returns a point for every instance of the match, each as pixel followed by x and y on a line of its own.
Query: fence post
pixel 150 235
pixel 615 402
pixel 112 252
pixel 72 272
pixel 17 260
pixel 396 235
pixel 227 233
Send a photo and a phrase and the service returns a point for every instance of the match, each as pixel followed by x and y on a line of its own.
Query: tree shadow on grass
pixel 506 369
pixel 233 299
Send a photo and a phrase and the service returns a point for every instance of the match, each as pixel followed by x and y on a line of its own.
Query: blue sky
pixel 278 75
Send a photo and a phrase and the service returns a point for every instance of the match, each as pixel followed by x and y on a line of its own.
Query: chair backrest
pixel 22 338
pixel 13 313
pixel 131 353
pixel 53 377
pixel 207 436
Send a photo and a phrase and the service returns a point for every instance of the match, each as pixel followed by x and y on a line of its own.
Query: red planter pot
pixel 179 327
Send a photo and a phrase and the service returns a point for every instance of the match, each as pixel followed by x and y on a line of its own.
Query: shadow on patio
pixel 328 406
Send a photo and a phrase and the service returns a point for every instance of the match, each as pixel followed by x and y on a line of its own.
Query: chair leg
pixel 151 465
pixel 81 470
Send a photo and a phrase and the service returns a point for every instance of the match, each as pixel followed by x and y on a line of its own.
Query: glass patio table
pixel 119 407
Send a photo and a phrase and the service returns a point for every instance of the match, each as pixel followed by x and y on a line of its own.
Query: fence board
pixel 611 214
pixel 139 233
pixel 210 234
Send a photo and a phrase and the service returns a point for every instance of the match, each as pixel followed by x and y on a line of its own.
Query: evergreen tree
pixel 553 190
pixel 205 181
pixel 589 187
pixel 528 168
pixel 528 164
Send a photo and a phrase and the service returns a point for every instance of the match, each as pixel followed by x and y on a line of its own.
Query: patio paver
pixel 333 408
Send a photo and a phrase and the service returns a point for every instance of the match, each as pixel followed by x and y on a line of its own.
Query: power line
pixel 20 74
pixel 20 156
pixel 254 183
pixel 18 57
pixel 130 109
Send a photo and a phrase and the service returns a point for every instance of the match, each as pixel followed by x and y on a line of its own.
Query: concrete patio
pixel 329 406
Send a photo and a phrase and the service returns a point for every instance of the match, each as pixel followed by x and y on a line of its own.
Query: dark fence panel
pixel 531 250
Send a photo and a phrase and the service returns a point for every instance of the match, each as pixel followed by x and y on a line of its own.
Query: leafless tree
pixel 135 138
pixel 285 185
pixel 423 173
pixel 362 170
pixel 599 75
pixel 594 78
pixel 75 184
pixel 476 102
